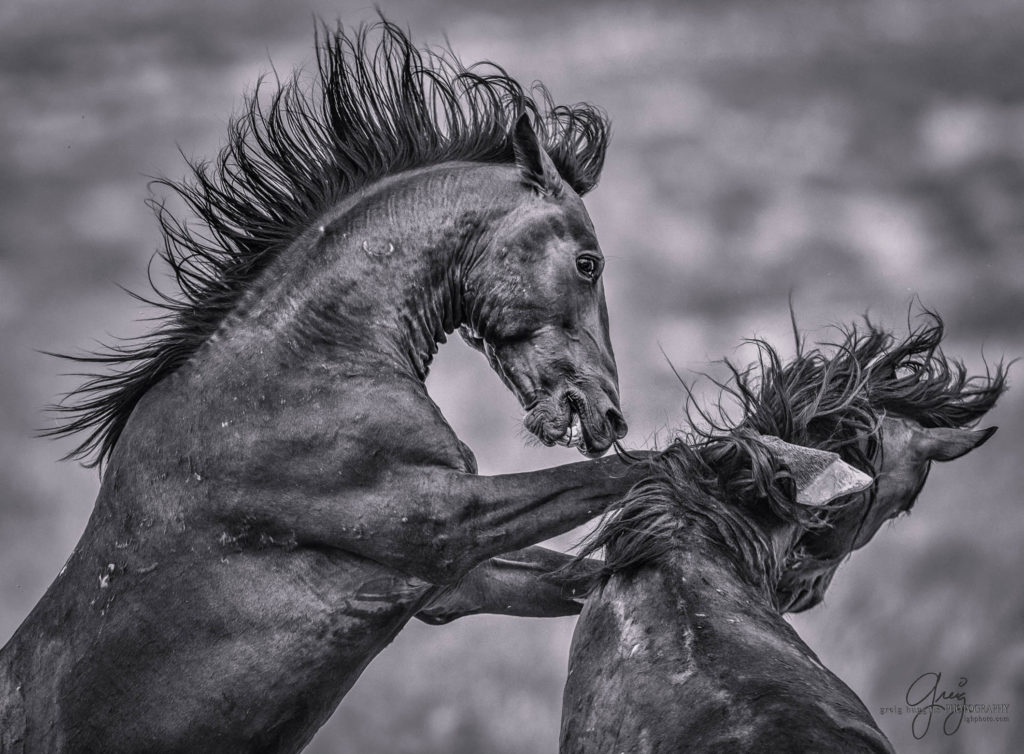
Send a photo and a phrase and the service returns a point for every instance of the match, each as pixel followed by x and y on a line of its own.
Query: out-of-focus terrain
pixel 854 153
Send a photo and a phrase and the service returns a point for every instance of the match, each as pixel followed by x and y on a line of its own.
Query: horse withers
pixel 683 647
pixel 279 494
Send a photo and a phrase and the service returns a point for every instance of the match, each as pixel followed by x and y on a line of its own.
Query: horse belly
pixel 248 652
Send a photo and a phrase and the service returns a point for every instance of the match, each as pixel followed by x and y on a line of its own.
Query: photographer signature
pixel 924 693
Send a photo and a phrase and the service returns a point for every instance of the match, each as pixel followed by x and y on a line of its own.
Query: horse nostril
pixel 616 423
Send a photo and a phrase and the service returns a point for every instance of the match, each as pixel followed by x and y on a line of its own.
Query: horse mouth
pixel 562 421
pixel 574 436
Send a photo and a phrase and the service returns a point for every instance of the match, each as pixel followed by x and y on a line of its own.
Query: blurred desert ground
pixel 854 152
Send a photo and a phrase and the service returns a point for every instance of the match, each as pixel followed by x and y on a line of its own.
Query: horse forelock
pixel 914 379
pixel 832 397
pixel 376 105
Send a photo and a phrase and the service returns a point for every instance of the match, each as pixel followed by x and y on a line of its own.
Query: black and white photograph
pixel 441 377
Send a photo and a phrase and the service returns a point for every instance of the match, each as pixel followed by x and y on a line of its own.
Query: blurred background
pixel 853 152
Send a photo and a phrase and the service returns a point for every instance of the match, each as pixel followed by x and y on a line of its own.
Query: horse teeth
pixel 574 434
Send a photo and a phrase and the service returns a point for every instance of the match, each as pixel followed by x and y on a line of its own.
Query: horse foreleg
pixel 487 516
pixel 527 583
pixel 437 524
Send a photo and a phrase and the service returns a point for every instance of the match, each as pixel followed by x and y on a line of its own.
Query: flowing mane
pixel 720 477
pixel 376 106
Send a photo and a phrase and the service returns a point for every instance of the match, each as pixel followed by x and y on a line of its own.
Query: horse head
pixel 535 307
pixel 906 451
pixel 738 521
pixel 925 407
pixel 903 455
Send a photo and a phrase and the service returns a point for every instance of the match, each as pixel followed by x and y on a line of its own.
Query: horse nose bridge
pixel 595 350
pixel 598 378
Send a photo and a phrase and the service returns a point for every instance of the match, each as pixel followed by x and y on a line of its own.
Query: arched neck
pixel 378 282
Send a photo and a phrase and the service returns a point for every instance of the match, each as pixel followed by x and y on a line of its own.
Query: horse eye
pixel 588 266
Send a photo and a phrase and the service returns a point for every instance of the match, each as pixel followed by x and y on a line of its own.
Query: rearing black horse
pixel 682 646
pixel 279 494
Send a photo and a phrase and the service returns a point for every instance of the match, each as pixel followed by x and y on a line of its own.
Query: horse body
pixel 690 656
pixel 179 625
pixel 682 646
pixel 274 508
pixel 254 658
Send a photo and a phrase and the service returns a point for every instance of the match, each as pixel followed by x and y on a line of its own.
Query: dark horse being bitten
pixel 279 494
pixel 683 647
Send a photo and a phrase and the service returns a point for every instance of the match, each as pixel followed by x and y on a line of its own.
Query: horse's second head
pixel 902 457
pixel 926 405
pixel 906 450
pixel 536 308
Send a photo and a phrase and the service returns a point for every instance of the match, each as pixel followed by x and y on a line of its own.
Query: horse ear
pixel 820 476
pixel 949 443
pixel 535 167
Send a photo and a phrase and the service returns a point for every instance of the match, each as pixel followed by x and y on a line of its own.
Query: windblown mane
pixel 377 106
pixel 720 477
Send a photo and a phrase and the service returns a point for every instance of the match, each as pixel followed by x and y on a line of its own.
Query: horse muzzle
pixel 576 421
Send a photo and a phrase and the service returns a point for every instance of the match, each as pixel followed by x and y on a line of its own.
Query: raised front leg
pixel 488 516
pixel 522 583
pixel 438 523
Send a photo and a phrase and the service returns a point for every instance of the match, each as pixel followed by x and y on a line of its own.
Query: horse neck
pixel 727 560
pixel 703 609
pixel 711 584
pixel 376 283
pixel 699 637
